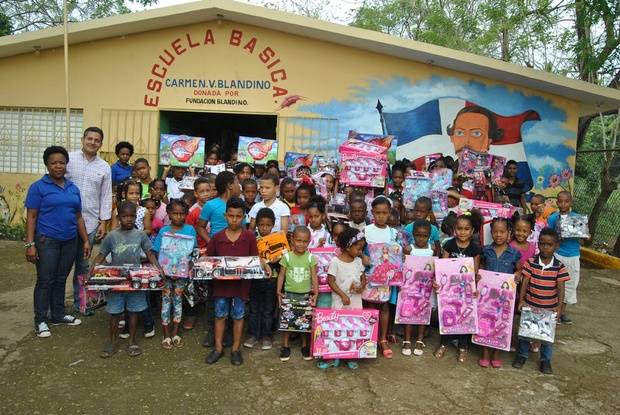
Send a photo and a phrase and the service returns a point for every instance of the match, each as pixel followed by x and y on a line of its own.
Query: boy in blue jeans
pixel 125 244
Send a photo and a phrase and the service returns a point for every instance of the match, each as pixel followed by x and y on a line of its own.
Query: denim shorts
pixel 227 306
pixel 134 301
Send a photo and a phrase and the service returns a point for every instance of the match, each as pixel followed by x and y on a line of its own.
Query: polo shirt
pixel 220 245
pixel 120 172
pixel 542 289
pixel 506 263
pixel 57 208
pixel 568 247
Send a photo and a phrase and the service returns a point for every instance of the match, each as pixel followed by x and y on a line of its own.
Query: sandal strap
pixel 406 342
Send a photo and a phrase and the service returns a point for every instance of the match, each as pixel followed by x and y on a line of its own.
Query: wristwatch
pixel 29 244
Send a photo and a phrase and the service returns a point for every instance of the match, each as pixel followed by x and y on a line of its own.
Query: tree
pixel 5 25
pixel 27 15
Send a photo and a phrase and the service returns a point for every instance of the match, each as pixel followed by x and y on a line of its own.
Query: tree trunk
pixel 616 251
pixel 607 188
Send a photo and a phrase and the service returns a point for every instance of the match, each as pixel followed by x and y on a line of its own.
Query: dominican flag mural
pixel 434 127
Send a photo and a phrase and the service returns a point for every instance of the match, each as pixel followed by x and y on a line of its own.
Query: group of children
pixel 227 213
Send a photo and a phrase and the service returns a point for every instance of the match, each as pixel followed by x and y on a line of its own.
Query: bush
pixel 15 232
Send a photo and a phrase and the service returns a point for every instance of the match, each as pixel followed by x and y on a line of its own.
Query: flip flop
pixel 496 363
pixel 167 343
pixel 134 350
pixel 177 342
pixel 385 350
pixel 108 351
pixel 441 350
pixel 353 365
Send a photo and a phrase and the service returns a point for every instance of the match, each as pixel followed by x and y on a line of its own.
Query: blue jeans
pixel 53 267
pixel 81 266
pixel 546 349
pixel 229 306
pixel 262 308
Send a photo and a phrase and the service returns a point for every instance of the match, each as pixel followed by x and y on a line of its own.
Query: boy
pixel 268 185
pixel 249 188
pixel 542 286
pixel 263 292
pixel 422 209
pixel 358 214
pixel 568 253
pixel 121 170
pixel 173 183
pixel 125 244
pixel 142 172
pixel 230 296
pixel 287 191
pixel 298 277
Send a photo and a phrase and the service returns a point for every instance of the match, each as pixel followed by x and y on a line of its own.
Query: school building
pixel 220 69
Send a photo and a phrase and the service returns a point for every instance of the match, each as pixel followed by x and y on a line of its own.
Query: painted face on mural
pixel 471 130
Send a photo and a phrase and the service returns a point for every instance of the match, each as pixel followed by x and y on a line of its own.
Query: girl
pixel 298 213
pixel 499 256
pixel 151 206
pixel 396 184
pixel 130 191
pixel 523 226
pixel 213 157
pixel 157 190
pixel 337 229
pixel 380 232
pixel 243 171
pixel 347 280
pixel 319 233
pixel 172 292
pixel 461 246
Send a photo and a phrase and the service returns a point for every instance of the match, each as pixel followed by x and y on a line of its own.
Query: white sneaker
pixel 43 330
pixel 121 324
pixel 68 320
pixel 149 334
pixel 250 342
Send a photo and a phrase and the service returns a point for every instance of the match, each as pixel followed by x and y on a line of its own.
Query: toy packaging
pixel 364 147
pixel 298 219
pixel 416 185
pixel 273 246
pixel 496 302
pixel 363 169
pixel 187 183
pixel 380 294
pixel 387 264
pixel 414 298
pixel 470 161
pixel 292 161
pixel 388 142
pixel 90 299
pixel 256 150
pixel 441 179
pixel 124 278
pixel 488 210
pixel 174 255
pixel 439 199
pixel 345 334
pixel 323 257
pixel 295 315
pixel 431 158
pixel 457 306
pixel 337 204
pixel 228 268
pixel 538 324
pixel 217 169
pixel 181 150
pixel 498 164
pixel 573 226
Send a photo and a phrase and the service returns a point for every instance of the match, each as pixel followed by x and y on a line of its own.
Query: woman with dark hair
pixel 53 221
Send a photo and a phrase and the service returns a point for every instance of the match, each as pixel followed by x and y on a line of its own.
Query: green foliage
pixel 5 25
pixel 13 232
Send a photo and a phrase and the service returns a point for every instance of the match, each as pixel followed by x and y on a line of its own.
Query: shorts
pixel 229 306
pixel 570 286
pixel 133 301
pixel 296 296
pixel 324 300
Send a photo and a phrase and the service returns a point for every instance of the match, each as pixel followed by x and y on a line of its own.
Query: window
pixel 26 132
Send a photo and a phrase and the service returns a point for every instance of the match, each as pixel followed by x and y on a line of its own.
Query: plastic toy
pixel 295 316
pixel 431 158
pixel 124 278
pixel 228 268
pixel 498 164
pixel 187 183
pixel 470 161
pixel 273 246
pixel 363 169
pixel 344 334
pixel 573 226
pixel 458 313
pixel 90 299
pixel 496 303
pixel 380 294
pixel 389 142
pixel 292 161
pixel 414 298
pixel 387 264
pixel 441 179
pixel 323 257
pixel 538 324
pixel 488 210
pixel 175 253
pixel 439 199
pixel 417 185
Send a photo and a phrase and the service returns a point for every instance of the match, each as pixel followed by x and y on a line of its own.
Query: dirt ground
pixel 64 374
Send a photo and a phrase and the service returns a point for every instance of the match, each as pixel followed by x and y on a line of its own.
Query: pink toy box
pixel 175 253
pixel 470 161
pixel 363 169
pixel 323 257
pixel 457 306
pixel 496 302
pixel 380 294
pixel 488 210
pixel 414 299
pixel 345 334
pixel 387 264
pixel 441 179
pixel 416 185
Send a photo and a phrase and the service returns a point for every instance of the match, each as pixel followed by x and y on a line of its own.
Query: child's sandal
pixel 385 349
pixel 462 355
pixel 177 342
pixel 167 343
pixel 419 348
pixel 406 350
pixel 441 350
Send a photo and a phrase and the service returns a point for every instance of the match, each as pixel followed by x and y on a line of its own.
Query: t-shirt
pixel 185 230
pixel 192 219
pixel 317 234
pixel 514 192
pixel 220 245
pixel 298 278
pixel 345 274
pixel 279 208
pixel 542 289
pixel 172 187
pixel 472 250
pixel 213 212
pixel 568 247
pixel 527 253
pixel 161 216
pixel 120 172
pixel 434 237
pixel 359 226
pixel 376 235
pixel 126 247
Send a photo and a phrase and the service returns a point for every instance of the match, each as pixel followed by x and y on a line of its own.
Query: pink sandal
pixel 385 349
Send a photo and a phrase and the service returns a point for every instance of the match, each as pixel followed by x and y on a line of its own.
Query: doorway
pixel 222 129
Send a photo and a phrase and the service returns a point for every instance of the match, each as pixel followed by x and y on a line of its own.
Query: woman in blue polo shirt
pixel 53 222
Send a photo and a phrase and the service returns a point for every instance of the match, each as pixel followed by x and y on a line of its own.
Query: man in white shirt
pixel 93 176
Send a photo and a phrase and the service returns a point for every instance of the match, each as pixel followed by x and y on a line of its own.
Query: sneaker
pixel 68 320
pixel 250 342
pixel 235 358
pixel 285 354
pixel 564 319
pixel 124 334
pixel 545 367
pixel 305 353
pixel 43 330
pixel 267 344
pixel 519 362
pixel 149 332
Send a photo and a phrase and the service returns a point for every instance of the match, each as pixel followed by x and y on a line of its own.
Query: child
pixel 249 189
pixel 319 233
pixel 298 213
pixel 213 157
pixel 172 292
pixel 243 172
pixel 125 245
pixel 499 256
pixel 421 247
pixel 263 292
pixel 461 246
pixel 151 206
pixel 357 214
pixel 287 191
pixel 122 170
pixel 337 229
pixel 538 205
pixel 347 280
pixel 214 211
pixel 396 185
pixel 568 252
pixel 157 190
pixel 268 187
pixel 380 232
pixel 173 183
pixel 142 172
pixel 130 191
pixel 523 226
pixel 259 170
pixel 297 281
pixel 422 209
pixel 542 287
pixel 230 296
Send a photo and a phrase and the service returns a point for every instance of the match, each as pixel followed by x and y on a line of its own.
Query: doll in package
pixel 417 185
pixel 387 264
pixel 457 307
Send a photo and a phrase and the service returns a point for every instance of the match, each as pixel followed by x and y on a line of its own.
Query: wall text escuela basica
pixel 217 87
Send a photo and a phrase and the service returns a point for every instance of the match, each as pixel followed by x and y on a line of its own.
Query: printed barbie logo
pixel 320 317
